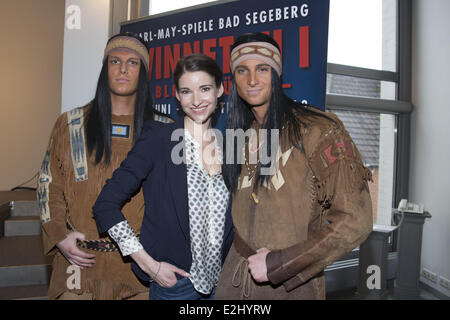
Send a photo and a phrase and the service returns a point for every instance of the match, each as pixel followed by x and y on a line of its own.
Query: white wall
pixel 83 51
pixel 430 132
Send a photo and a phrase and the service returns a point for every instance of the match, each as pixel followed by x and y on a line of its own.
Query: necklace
pixel 253 148
pixel 252 169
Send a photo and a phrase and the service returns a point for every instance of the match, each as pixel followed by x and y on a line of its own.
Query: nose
pixel 252 79
pixel 196 99
pixel 123 68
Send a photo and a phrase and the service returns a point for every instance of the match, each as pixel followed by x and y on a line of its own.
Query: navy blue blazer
pixel 165 227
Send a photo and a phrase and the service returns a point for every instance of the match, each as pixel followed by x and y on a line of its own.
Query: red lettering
pixel 172 54
pixel 207 45
pixel 170 60
pixel 174 90
pixel 278 37
pixel 158 63
pixel 166 91
pixel 304 47
pixel 158 92
pixel 151 53
pixel 226 43
pixel 187 49
pixel 227 85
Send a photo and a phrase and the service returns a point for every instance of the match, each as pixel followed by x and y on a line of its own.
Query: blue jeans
pixel 182 290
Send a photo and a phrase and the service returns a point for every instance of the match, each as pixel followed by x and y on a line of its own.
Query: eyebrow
pixel 202 86
pixel 116 57
pixel 258 65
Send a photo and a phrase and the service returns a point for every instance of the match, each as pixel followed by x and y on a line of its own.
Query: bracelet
pixel 157 271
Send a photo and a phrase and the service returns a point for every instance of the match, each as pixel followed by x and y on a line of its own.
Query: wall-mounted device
pixel 405 206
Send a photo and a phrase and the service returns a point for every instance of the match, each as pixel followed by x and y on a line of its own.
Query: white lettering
pixel 304 11
pixel 294 14
pixel 277 14
pixel 177 154
pixel 247 19
pixel 74 19
pixel 262 16
pixel 231 309
pixel 190 310
pixel 270 15
pixel 236 21
pixel 374 281
pixel 74 281
pixel 163 107
pixel 286 13
pixel 255 17
pixel 198 27
pixel 160 34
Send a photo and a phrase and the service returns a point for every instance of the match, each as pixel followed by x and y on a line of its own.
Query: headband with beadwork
pixel 129 44
pixel 259 51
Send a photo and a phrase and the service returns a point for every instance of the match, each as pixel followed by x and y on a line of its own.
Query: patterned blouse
pixel 208 200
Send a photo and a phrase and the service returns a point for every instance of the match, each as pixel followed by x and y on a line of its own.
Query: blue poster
pixel 300 28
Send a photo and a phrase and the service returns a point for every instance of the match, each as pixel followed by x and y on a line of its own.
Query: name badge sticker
pixel 120 131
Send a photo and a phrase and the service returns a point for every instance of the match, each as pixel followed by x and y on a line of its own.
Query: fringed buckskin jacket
pixel 68 186
pixel 315 208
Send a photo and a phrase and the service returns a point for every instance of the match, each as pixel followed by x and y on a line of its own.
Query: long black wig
pixel 98 126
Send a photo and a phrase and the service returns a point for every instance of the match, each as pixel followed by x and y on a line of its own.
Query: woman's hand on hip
pixel 165 276
pixel 162 273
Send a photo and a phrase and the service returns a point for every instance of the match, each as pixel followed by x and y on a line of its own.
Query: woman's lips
pixel 199 109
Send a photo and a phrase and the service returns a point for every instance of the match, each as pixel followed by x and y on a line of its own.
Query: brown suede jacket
pixel 315 209
pixel 68 187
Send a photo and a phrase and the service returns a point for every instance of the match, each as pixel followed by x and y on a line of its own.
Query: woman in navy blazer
pixel 187 228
